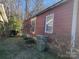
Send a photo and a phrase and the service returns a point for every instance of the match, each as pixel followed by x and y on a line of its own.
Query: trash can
pixel 41 42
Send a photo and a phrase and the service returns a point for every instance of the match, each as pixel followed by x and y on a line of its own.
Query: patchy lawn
pixel 15 48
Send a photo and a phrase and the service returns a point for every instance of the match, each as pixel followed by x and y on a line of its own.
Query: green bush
pixel 15 23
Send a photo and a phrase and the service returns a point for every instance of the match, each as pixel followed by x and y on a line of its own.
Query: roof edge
pixel 47 9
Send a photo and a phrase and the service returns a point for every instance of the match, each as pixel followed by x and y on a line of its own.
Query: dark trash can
pixel 42 42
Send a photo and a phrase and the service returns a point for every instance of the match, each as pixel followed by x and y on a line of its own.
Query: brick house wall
pixel 62 19
pixel 61 36
pixel 62 26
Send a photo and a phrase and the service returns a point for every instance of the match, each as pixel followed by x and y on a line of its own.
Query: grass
pixel 9 48
pixel 15 48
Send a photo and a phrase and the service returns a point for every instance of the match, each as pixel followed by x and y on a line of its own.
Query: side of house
pixel 62 19
pixel 56 23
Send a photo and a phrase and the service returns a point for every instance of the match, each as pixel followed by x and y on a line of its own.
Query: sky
pixel 47 3
pixel 23 6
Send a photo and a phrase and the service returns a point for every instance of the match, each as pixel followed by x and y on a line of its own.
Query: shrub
pixel 60 45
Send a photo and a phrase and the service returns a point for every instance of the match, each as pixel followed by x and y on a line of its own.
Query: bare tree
pixel 19 9
pixel 13 7
pixel 37 7
pixel 9 6
pixel 27 8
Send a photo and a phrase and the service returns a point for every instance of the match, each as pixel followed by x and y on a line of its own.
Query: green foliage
pixel 15 23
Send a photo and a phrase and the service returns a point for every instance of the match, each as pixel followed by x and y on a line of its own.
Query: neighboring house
pixel 3 17
pixel 59 22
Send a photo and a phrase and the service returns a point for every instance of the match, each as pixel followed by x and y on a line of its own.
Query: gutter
pixel 74 25
pixel 51 7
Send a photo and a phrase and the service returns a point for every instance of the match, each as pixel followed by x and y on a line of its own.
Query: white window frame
pixel 34 19
pixel 50 15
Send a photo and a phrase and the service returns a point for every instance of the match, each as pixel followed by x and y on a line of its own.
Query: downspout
pixel 74 25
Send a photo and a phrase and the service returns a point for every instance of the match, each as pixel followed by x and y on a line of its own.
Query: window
pixel 33 23
pixel 49 23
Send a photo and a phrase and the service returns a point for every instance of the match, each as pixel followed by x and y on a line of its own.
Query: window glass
pixel 49 23
pixel 33 23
